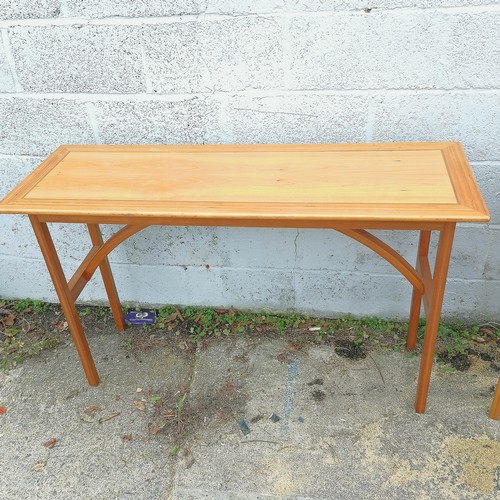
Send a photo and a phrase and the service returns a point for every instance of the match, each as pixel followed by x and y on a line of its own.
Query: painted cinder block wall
pixel 89 71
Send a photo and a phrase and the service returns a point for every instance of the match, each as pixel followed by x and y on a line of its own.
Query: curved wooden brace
pixel 97 255
pixel 387 253
pixel 109 246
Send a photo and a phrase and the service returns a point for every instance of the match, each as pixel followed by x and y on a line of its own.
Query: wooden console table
pixel 349 188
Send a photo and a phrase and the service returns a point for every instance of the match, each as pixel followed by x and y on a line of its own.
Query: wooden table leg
pixel 495 405
pixel 434 314
pixel 63 292
pixel 416 300
pixel 107 277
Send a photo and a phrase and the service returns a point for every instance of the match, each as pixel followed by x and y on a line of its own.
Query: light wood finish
pixel 107 277
pixel 97 257
pixel 416 301
pixel 303 183
pixel 255 177
pixel 81 278
pixel 495 405
pixel 65 298
pixel 434 314
pixel 348 187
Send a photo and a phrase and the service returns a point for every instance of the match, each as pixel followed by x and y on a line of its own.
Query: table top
pixel 320 182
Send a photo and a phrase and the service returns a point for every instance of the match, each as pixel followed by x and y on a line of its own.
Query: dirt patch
pixel 479 459
pixel 349 349
pixel 139 341
pixel 459 361
pixel 486 356
pixel 257 418
pixel 456 467
pixel 294 347
pixel 479 367
pixel 284 357
pixel 179 416
pixel 318 396
pixel 316 381
pixel 24 333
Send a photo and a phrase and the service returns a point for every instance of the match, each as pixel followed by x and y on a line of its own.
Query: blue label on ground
pixel 140 316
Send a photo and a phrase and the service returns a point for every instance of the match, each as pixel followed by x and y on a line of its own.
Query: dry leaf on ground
pixel 91 410
pixel 139 404
pixel 50 443
pixel 109 417
pixel 9 319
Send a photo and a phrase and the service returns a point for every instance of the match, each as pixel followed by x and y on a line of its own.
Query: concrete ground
pixel 168 422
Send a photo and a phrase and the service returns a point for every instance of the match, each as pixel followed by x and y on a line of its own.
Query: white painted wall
pixel 88 71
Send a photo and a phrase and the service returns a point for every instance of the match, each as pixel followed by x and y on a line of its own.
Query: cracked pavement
pixel 170 423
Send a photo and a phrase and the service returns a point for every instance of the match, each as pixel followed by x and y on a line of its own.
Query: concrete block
pixel 337 293
pixel 16 236
pixel 492 265
pixel 395 49
pixel 234 7
pixel 334 293
pixel 469 254
pixel 261 248
pixel 71 240
pixel 17 240
pixel 186 121
pixel 78 58
pixel 324 249
pixel 480 125
pixel 472 300
pixel 475 50
pixel 27 9
pixel 331 251
pixel 38 126
pixel 370 6
pixel 110 8
pixel 14 169
pixel 230 54
pixel 238 7
pixel 488 179
pixel 472 118
pixel 172 269
pixel 18 246
pixel 427 4
pixel 220 287
pixel 171 246
pixel 23 278
pixel 157 8
pixel 297 118
pixel 6 80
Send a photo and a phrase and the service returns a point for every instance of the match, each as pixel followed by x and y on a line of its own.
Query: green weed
pixel 201 323
pixel 37 306
pixel 102 310
pixel 445 369
pixel 87 311
pixel 173 451
pixel 22 305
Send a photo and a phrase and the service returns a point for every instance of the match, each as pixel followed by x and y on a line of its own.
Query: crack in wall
pixel 294 269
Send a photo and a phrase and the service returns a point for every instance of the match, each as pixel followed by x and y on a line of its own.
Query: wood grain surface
pixel 391 182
